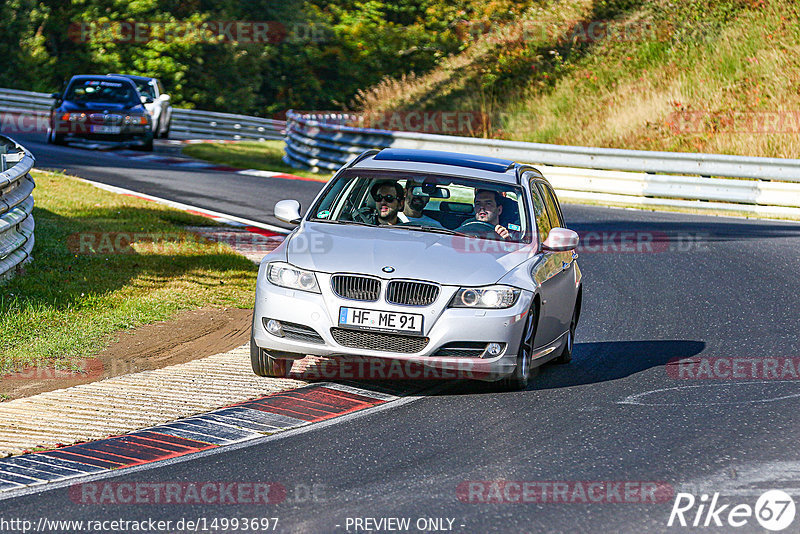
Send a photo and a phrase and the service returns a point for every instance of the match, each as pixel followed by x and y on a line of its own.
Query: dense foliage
pixel 317 55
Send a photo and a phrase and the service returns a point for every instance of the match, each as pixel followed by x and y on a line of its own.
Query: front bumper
pixel 131 134
pixel 442 326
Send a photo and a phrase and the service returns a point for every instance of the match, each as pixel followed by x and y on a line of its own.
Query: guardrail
pixel 761 186
pixel 16 206
pixel 186 123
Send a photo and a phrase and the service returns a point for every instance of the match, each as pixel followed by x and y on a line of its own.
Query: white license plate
pixel 107 129
pixel 380 320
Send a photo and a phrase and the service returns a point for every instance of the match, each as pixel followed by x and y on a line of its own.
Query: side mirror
pixel 288 211
pixel 561 240
pixel 146 100
pixel 164 98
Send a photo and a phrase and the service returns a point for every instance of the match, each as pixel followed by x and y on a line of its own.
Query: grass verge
pixel 261 155
pixel 85 284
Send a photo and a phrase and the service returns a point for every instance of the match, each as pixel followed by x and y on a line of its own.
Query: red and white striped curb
pixel 191 163
pixel 224 218
pixel 238 423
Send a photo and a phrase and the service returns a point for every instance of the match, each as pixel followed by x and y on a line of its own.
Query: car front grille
pixel 354 287
pixel 101 118
pixel 379 341
pixel 410 293
pixel 462 349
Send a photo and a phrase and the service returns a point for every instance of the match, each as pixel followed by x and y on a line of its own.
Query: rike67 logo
pixel 774 510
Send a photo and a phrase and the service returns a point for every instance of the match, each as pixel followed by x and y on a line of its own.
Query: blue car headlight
pixel 288 276
pixel 493 297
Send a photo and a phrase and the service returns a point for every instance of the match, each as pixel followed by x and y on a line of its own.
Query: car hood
pixel 69 105
pixel 442 258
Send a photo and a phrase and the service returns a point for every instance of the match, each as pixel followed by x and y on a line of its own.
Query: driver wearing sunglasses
pixel 389 202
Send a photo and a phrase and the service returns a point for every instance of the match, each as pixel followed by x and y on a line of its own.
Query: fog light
pixel 274 327
pixel 494 349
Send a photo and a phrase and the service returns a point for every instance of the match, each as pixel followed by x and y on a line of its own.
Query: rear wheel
pixel 523 372
pixel 265 365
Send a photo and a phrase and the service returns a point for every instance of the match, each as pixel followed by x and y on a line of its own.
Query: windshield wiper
pixel 332 221
pixel 436 230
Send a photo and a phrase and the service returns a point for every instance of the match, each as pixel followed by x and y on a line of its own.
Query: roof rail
pixel 366 153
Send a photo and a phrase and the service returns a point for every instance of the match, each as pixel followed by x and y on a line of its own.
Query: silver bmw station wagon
pixel 442 259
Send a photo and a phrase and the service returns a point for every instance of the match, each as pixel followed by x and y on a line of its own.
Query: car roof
pixel 133 77
pixel 99 77
pixel 432 161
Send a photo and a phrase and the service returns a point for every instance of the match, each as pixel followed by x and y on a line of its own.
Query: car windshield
pixel 428 203
pixel 145 89
pixel 107 91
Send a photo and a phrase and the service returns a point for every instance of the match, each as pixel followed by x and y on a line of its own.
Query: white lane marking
pixel 257 172
pixel 637 398
pixel 181 206
pixel 747 479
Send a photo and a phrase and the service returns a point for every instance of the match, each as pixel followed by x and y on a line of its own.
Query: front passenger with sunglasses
pixel 388 196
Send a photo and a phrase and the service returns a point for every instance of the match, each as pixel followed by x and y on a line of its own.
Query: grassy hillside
pixel 710 76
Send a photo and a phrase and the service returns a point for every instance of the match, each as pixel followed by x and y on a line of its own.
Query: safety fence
pixel 16 207
pixel 761 186
pixel 29 111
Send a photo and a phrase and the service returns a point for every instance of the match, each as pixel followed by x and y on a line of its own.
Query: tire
pixel 566 354
pixel 55 139
pixel 265 365
pixel 523 372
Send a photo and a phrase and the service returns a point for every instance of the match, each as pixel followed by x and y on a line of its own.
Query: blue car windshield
pixel 102 91
pixel 426 202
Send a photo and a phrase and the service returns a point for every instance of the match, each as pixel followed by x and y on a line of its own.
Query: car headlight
pixel 141 120
pixel 285 275
pixel 495 297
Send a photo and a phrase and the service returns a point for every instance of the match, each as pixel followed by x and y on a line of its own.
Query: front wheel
pixel 523 372
pixel 265 365
pixel 566 354
pixel 55 139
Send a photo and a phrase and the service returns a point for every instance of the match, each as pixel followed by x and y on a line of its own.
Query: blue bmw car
pixel 100 108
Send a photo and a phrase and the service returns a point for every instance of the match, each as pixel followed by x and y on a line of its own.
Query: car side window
pixel 540 213
pixel 552 206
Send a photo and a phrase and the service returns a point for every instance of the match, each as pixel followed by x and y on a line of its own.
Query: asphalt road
pixel 251 197
pixel 710 287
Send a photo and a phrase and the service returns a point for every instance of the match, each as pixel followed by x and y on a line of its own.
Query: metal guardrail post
pixel 16 208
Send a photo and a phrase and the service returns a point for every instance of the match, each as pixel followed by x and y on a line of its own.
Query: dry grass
pixel 632 94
